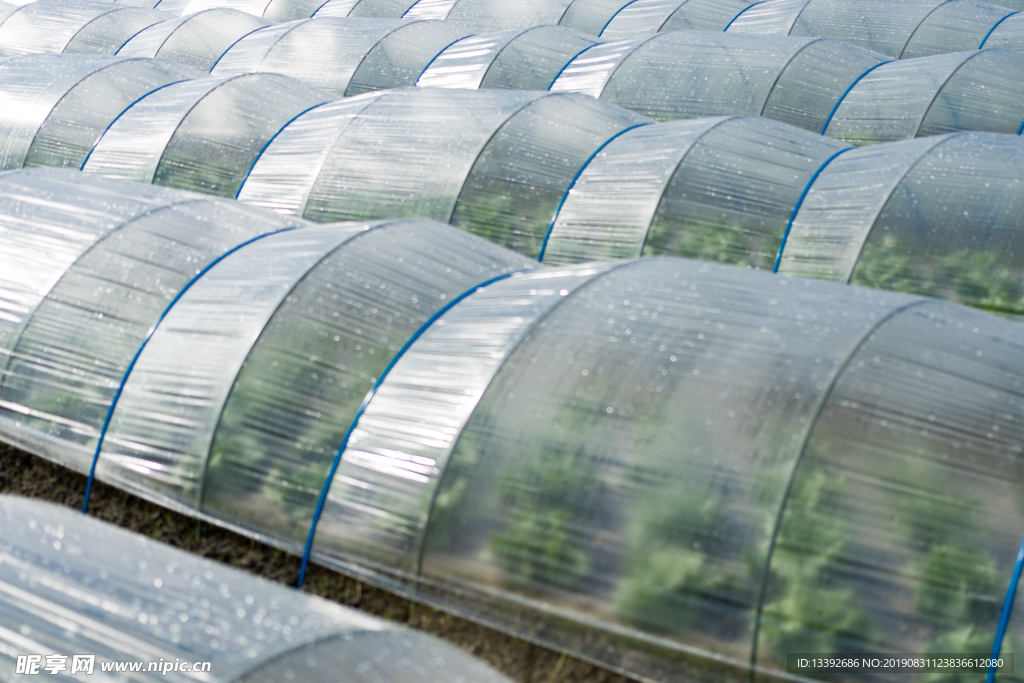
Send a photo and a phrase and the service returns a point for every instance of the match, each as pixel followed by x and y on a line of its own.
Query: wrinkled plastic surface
pixel 272 10
pixel 89 264
pixel 203 135
pixel 197 40
pixel 692 74
pixel 715 189
pixel 254 431
pixel 661 465
pixel 519 59
pixel 938 216
pixel 916 98
pixel 915 28
pixel 495 162
pixel 82 26
pixel 492 15
pixel 72 584
pixel 342 56
pixel 644 17
pixel 57 106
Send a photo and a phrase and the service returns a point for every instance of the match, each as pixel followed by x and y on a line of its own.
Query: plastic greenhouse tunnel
pixel 342 56
pixel 933 95
pixel 202 135
pixel 938 216
pixel 271 10
pixel 661 465
pixel 644 17
pixel 720 189
pixel 197 40
pixel 70 584
pixel 496 163
pixel 690 74
pixel 942 216
pixel 73 26
pixel 914 28
pixel 57 106
pixel 518 59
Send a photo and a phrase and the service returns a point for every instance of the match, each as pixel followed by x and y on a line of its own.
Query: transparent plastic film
pixel 714 189
pixel 842 205
pixel 164 605
pixel 904 516
pixel 689 74
pixel 90 26
pixel 625 477
pixel 518 59
pixel 68 358
pixel 399 59
pixel 197 40
pixel 282 424
pixel 202 136
pixel 58 105
pixel 323 52
pixel 955 26
pixel 644 17
pixel 383 493
pixel 500 15
pixel 931 96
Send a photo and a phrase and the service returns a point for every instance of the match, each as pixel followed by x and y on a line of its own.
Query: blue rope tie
pixel 1004 617
pixel 362 409
pixel 799 203
pixel 741 14
pixel 142 346
pixel 572 183
pixel 852 86
pixel 994 27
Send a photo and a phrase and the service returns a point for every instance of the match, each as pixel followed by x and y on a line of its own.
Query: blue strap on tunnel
pixel 1004 617
pixel 142 347
pixel 994 27
pixel 799 203
pixel 362 409
pixel 572 183
pixel 741 14
pixel 847 92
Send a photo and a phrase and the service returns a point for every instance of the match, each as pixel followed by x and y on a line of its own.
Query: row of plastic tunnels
pixel 823 77
pixel 394 287
pixel 661 465
pixel 557 176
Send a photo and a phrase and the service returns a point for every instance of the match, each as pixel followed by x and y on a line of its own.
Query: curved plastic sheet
pixel 643 17
pixel 930 96
pixel 661 465
pixel 692 74
pixel 956 25
pixel 88 265
pixel 492 15
pixel 915 28
pixel 940 216
pixel 243 440
pixel 57 106
pixel 342 56
pixel 904 516
pixel 197 40
pixel 81 26
pixel 70 584
pixel 496 163
pixel 272 10
pixel 519 59
pixel 1009 33
pixel 596 427
pixel 372 9
pixel 714 189
pixel 203 135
